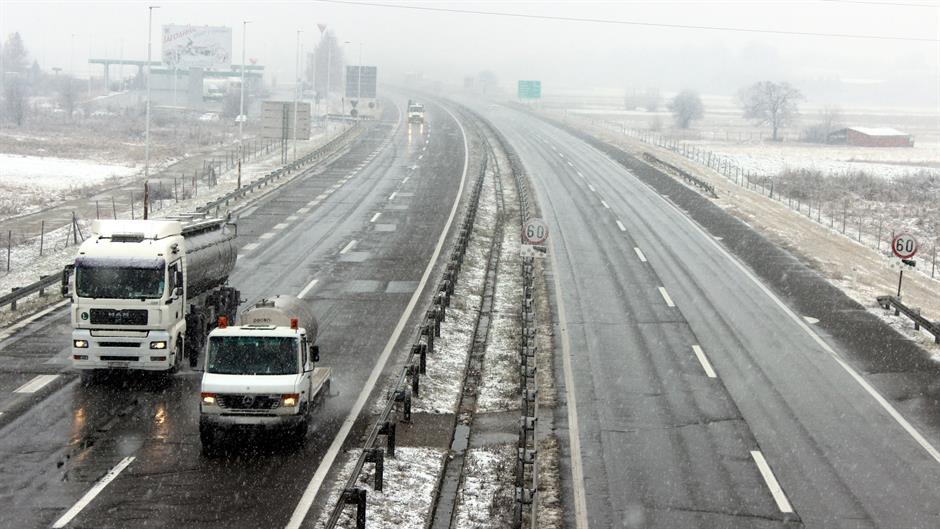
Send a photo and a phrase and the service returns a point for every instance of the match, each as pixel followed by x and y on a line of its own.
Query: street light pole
pixel 147 126
pixel 345 79
pixel 241 108
pixel 296 89
pixel 359 83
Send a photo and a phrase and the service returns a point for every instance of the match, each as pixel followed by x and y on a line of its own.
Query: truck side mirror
pixel 178 292
pixel 66 273
pixel 315 352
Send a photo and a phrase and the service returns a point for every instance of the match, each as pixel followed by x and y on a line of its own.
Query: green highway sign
pixel 530 89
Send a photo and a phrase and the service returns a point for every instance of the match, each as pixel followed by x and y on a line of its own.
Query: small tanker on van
pixel 261 373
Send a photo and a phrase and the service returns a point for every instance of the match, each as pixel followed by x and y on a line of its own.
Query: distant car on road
pixel 209 116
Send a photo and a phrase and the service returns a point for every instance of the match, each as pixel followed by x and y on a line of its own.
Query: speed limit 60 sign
pixel 904 245
pixel 535 231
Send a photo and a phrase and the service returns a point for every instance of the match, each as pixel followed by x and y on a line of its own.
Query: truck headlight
pixel 80 344
pixel 289 400
pixel 158 345
pixel 208 399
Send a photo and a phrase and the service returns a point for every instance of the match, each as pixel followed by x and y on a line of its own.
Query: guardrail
pixel 692 179
pixel 408 383
pixel 889 302
pixel 326 149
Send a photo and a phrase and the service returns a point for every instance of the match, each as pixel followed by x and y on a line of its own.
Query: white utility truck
pixel 415 112
pixel 144 292
pixel 261 373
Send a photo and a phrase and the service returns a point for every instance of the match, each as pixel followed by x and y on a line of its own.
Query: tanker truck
pixel 261 373
pixel 146 292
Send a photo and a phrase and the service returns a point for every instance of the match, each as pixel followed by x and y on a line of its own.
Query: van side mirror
pixel 179 279
pixel 315 353
pixel 66 273
pixel 178 292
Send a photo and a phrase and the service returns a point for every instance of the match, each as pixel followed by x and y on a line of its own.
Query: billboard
pixel 186 47
pixel 530 89
pixel 277 120
pixel 364 89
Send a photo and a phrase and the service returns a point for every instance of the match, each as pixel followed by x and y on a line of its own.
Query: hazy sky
pixel 564 54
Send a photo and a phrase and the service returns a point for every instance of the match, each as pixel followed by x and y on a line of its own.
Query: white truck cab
pixel 262 373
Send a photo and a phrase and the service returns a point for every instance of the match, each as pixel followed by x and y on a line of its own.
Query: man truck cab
pixel 262 373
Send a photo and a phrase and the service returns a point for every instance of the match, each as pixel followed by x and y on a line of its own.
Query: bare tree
pixel 686 107
pixel 830 119
pixel 769 103
pixel 15 81
pixel 68 94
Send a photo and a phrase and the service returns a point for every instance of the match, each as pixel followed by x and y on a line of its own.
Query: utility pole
pixel 241 108
pixel 147 126
pixel 329 54
pixel 359 83
pixel 296 89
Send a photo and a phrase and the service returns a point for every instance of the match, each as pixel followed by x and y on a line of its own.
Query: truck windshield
pixel 252 355
pixel 119 282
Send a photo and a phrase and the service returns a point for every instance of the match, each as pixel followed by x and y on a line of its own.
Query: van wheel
pixel 207 438
pixel 300 432
pixel 88 377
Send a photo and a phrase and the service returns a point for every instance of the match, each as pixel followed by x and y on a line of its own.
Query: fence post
pixel 97 211
pixel 845 211
pixel 132 205
pixel 42 235
pixel 933 266
pixel 113 208
pixel 9 247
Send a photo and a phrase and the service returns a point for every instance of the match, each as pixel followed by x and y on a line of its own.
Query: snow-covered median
pixel 486 497
pixel 410 479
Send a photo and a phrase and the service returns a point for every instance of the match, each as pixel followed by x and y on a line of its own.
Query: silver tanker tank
pixel 278 311
pixel 210 254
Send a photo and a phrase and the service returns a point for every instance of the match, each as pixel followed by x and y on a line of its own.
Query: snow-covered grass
pixel 441 386
pixel 48 173
pixel 550 509
pixel 27 266
pixel 486 497
pixel 410 479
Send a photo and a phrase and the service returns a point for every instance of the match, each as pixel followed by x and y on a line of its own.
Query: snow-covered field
pixel 48 173
pixel 410 480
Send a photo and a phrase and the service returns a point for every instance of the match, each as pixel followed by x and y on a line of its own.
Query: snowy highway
pixel 355 239
pixel 697 394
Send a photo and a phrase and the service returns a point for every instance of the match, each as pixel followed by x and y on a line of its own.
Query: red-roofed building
pixel 871 137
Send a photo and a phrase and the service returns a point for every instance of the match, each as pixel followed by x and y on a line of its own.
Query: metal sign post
pixel 904 246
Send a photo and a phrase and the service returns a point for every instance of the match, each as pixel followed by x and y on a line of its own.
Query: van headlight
pixel 289 400
pixel 158 345
pixel 80 344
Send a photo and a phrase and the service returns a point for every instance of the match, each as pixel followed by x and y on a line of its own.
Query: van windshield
pixel 252 355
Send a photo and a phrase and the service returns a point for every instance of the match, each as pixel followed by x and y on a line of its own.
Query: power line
pixel 629 22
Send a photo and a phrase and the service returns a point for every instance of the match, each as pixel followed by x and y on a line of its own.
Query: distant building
pixel 871 137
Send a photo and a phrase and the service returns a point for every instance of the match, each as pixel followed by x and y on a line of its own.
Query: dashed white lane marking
pixel 570 164
pixel 94 491
pixel 375 217
pixel 35 384
pixel 392 196
pixel 779 496
pixel 267 235
pixel 561 154
pixel 640 254
pixel 405 179
pixel 604 203
pixel 348 247
pixel 304 210
pixel 249 247
pixel 326 462
pixel 313 203
pixel 580 174
pixel 669 303
pixel 280 226
pixel 591 187
pixel 308 288
pixel 291 218
pixel 553 148
pixel 621 226
pixel 702 359
pixel 321 196
pixel 19 325
pixel 422 156
pixel 810 319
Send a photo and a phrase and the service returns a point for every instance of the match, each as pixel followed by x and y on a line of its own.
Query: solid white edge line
pixel 94 491
pixel 640 255
pixel 779 496
pixel 702 359
pixel 348 247
pixel 35 384
pixel 669 303
pixel 907 426
pixel 308 288
pixel 9 331
pixel 621 226
pixel 310 493
pixel 574 434
pixel 375 217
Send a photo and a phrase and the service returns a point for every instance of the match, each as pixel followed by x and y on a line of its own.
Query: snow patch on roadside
pixel 47 173
pixel 410 479
pixel 486 498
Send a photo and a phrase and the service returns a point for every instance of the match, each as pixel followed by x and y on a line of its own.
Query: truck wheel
pixel 207 438
pixel 194 354
pixel 300 432
pixel 177 357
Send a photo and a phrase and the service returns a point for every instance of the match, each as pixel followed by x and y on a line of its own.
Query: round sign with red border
pixel 535 231
pixel 904 245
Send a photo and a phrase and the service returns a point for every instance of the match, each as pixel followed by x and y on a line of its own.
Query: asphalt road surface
pixel 694 396
pixel 355 239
